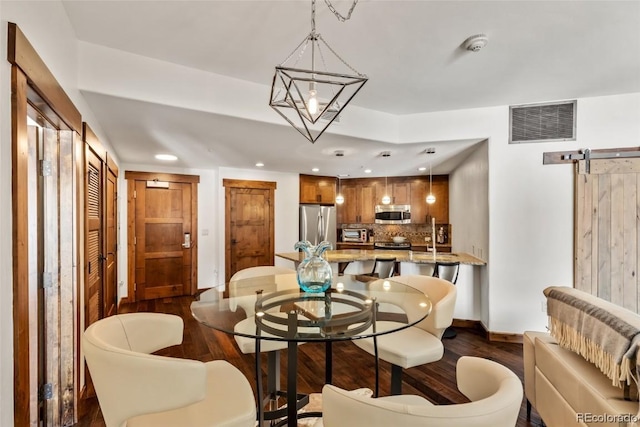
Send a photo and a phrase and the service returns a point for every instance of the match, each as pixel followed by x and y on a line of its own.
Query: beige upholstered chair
pixel 421 343
pixel 495 393
pixel 138 389
pixel 248 345
pixel 246 299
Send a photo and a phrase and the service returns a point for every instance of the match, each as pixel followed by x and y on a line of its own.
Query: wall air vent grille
pixel 547 122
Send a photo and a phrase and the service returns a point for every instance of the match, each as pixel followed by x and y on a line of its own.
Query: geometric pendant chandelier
pixel 305 93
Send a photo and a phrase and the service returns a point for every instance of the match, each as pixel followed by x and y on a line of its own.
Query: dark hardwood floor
pixel 352 367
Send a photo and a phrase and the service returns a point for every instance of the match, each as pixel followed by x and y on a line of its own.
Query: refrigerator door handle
pixel 321 235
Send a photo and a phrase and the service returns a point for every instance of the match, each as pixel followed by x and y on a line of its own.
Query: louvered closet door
pixel 607 236
pixel 94 240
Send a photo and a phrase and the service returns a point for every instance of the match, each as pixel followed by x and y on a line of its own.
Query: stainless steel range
pixel 404 246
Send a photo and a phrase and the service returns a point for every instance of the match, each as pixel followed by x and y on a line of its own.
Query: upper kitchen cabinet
pixel 421 211
pixel 317 189
pixel 359 201
pixel 400 193
pixel 398 190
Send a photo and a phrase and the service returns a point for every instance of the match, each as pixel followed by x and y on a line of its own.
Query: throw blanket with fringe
pixel 603 333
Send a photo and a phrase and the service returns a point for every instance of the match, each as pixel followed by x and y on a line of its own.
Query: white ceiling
pixel 410 50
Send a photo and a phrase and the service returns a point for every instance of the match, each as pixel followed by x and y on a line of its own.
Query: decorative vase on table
pixel 314 272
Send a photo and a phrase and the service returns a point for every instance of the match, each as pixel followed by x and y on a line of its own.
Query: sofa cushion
pixel 580 383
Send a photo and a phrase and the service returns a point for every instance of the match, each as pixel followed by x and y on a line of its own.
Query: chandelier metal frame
pixel 288 86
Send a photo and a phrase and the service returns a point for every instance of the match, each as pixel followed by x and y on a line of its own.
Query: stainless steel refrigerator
pixel 318 223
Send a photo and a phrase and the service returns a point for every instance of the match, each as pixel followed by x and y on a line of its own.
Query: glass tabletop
pixel 273 307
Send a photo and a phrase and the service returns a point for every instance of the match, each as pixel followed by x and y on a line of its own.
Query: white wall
pixel 469 218
pixel 211 209
pixel 530 204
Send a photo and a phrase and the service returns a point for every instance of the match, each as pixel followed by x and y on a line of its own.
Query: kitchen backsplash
pixel 415 233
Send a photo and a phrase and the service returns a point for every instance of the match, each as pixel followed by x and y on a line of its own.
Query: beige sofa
pixel 567 390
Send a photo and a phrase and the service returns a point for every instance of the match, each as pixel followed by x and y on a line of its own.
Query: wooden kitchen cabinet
pixel 398 190
pixel 317 189
pixel 359 201
pixel 361 195
pixel 400 193
pixel 421 211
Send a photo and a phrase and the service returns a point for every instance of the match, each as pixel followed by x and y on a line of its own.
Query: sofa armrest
pixel 529 359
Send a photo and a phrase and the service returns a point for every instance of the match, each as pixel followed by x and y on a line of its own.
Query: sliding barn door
pixel 607 230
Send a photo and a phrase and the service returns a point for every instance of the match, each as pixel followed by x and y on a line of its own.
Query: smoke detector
pixel 339 153
pixel 386 154
pixel 475 43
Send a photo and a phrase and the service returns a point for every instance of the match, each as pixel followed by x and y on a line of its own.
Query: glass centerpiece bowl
pixel 314 272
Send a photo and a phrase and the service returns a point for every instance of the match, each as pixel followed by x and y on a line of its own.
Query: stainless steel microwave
pixel 393 214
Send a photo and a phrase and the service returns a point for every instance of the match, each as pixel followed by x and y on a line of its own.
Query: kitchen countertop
pixel 349 255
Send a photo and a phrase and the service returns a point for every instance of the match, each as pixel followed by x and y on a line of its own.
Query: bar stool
pixel 384 268
pixel 447 271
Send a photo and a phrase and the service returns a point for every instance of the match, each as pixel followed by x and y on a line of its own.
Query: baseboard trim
pixel 491 336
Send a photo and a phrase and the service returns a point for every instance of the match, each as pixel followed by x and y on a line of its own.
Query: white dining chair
pixel 418 344
pixel 494 391
pixel 284 278
pixel 139 389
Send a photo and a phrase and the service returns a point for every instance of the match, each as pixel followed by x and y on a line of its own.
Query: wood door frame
pixel 33 83
pixel 239 183
pixel 132 177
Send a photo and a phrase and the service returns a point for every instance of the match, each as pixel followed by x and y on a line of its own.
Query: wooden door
pixel 607 231
pixel 44 235
pixel 94 241
pixel 162 230
pixel 163 252
pixel 249 225
pixel 111 240
pixel 51 225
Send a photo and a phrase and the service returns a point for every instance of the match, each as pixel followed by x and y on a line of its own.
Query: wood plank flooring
pixel 352 367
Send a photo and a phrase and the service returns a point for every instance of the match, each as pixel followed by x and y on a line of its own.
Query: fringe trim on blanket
pixel 570 338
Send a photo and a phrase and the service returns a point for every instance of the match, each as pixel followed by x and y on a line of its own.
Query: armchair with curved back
pixel 139 389
pixel 494 391
pixel 447 271
pixel 241 298
pixel 421 343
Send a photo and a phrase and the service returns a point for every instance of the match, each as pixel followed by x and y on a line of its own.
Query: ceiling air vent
pixel 542 122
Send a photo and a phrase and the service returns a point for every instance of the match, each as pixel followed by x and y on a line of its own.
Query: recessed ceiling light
pixel 315 170
pixel 422 169
pixel 367 171
pixel 259 164
pixel 167 157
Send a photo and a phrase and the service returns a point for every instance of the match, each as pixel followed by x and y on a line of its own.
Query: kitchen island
pixel 360 261
pixel 414 257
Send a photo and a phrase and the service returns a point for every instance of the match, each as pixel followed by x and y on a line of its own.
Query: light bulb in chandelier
pixel 431 199
pixel 312 103
pixel 339 199
pixel 386 200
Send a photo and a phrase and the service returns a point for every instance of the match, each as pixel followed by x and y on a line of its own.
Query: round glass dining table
pixel 274 308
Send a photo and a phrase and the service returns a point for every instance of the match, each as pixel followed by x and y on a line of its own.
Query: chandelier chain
pixel 339 57
pixel 338 15
pixel 304 43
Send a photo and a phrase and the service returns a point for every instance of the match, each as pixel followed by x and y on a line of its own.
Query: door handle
pixel 187 241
